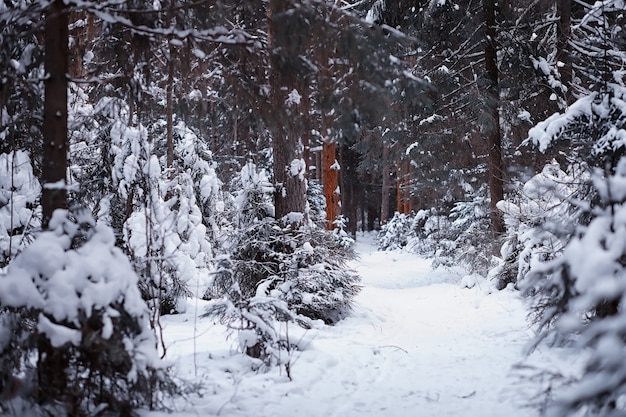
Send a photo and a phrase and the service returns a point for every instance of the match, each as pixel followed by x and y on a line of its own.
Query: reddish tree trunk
pixel 331 183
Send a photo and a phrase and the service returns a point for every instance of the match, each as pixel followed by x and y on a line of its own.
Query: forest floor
pixel 418 344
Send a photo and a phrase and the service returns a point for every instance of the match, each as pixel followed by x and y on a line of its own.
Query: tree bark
pixel 170 110
pixel 52 363
pixel 563 31
pixel 308 140
pixel 55 146
pixel 386 186
pixel 403 205
pixel 330 167
pixel 289 166
pixel 169 96
pixel 331 183
pixel 82 36
pixel 349 183
pixel 494 141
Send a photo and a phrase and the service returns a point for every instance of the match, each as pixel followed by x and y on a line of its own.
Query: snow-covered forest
pixel 313 208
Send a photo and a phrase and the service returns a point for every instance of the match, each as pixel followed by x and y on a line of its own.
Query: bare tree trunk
pixel 305 112
pixel 212 108
pixel 289 166
pixel 494 140
pixel 348 180
pixel 52 363
pixel 170 110
pixel 169 98
pixel 399 191
pixel 386 186
pixel 403 192
pixel 331 183
pixel 55 144
pixel 330 167
pixel 563 31
pixel 289 172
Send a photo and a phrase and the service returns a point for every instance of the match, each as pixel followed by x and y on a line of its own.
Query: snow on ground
pixel 417 344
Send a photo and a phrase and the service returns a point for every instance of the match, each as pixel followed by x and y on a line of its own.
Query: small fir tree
pixel 275 271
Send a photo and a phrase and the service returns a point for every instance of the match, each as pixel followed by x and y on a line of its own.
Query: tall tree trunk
pixel 331 183
pixel 349 183
pixel 403 192
pixel 330 167
pixel 399 207
pixel 212 111
pixel 372 197
pixel 289 175
pixel 55 144
pixel 169 96
pixel 307 124
pixel 318 165
pixel 563 31
pixel 386 186
pixel 52 363
pixel 494 140
pixel 289 166
pixel 170 110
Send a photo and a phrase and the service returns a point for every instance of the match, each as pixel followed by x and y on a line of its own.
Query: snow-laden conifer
pixel 73 326
pixel 277 271
pixel 580 290
pixel 164 218
pixel 19 204
pixel 541 219
pixel 417 232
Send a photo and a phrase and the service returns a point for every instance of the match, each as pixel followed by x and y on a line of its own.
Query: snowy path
pixel 417 345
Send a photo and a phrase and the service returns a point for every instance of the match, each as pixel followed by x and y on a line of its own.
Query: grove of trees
pixel 156 150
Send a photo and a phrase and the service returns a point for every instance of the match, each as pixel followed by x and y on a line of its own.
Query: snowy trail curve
pixel 416 345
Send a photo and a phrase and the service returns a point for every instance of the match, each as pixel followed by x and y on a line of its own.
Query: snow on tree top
pixel 63 281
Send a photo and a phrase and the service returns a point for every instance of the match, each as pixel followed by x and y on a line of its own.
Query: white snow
pixel 58 335
pixel 88 57
pixel 416 344
pixel 19 191
pixel 593 107
pixel 293 99
pixel 524 115
pixel 198 53
pixel 297 168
